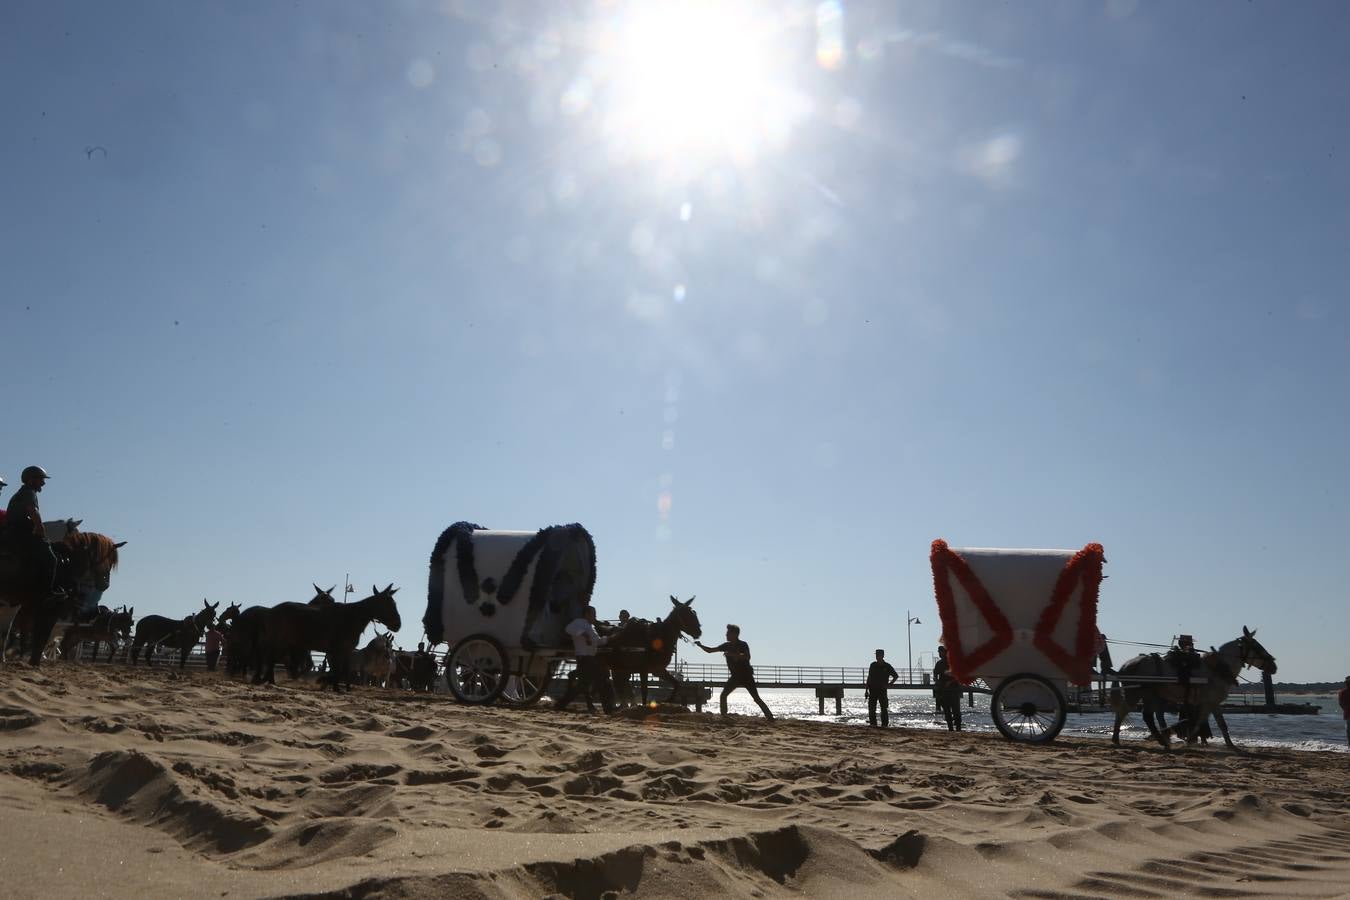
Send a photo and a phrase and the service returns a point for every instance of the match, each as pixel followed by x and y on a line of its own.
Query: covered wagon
pixel 502 600
pixel 1024 621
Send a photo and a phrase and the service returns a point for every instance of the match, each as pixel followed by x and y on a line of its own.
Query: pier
pixel 829 682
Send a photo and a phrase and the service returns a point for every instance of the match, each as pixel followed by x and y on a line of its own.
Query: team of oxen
pixel 257 638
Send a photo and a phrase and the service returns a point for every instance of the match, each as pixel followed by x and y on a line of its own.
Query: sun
pixel 695 81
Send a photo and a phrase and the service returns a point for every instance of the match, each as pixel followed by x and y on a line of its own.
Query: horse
pixel 154 631
pixel 241 644
pixel 1221 668
pixel 648 647
pixel 84 564
pixel 111 626
pixel 292 629
pixel 228 617
pixel 375 661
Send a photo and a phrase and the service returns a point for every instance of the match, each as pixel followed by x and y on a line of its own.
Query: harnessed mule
pixel 1221 668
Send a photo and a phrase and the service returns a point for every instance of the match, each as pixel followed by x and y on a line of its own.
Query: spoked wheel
pixel 525 688
pixel 1028 709
pixel 475 670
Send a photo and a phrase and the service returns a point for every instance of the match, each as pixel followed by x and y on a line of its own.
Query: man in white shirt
pixel 589 674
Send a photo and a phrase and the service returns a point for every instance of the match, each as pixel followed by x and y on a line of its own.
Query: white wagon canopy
pixel 1023 620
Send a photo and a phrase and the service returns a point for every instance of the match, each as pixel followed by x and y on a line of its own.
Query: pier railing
pixel 802 676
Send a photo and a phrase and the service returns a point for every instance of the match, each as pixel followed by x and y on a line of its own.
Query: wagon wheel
pixel 475 670
pixel 525 688
pixel 1028 709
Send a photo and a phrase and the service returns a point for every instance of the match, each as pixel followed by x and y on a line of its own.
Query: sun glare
pixel 692 80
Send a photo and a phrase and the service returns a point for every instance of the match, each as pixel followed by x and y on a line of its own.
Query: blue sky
pixel 1011 275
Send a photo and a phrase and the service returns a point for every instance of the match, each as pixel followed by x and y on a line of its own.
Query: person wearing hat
pixel 1186 660
pixel 23 525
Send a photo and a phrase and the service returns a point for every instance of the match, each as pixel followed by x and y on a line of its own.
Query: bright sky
pixel 767 296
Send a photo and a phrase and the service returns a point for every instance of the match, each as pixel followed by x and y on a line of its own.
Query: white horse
pixel 1220 669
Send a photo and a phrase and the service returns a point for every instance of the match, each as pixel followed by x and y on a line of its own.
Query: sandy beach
pixel 119 783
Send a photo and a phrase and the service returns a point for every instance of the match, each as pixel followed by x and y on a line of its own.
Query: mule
pixel 645 648
pixel 114 627
pixel 375 661
pixel 156 631
pixel 85 561
pixel 1220 668
pixel 241 644
pixel 293 629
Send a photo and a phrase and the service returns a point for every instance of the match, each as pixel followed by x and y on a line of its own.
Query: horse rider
pixel 23 529
pixel 1185 659
pixel 605 629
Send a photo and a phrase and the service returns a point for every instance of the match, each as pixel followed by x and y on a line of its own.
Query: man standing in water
pixel 1344 698
pixel 880 676
pixel 738 664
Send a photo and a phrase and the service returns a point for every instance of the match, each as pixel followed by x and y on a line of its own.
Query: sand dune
pixel 114 782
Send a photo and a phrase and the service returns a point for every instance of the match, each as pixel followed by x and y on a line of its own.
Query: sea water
pixel 915 709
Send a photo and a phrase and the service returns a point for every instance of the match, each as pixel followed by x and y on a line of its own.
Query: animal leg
pixel 1156 720
pixel 43 623
pixel 1223 729
pixel 674 683
pixel 1164 733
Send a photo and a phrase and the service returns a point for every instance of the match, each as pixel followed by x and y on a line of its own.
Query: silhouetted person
pixel 24 531
pixel 880 676
pixel 213 642
pixel 605 629
pixel 947 691
pixel 1344 699
pixel 1186 660
pixel 1104 664
pixel 590 675
pixel 737 654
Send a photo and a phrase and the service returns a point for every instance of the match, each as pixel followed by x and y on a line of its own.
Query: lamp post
pixel 909 647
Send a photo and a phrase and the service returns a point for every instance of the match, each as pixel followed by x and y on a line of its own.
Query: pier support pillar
pixel 1270 691
pixel 831 690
